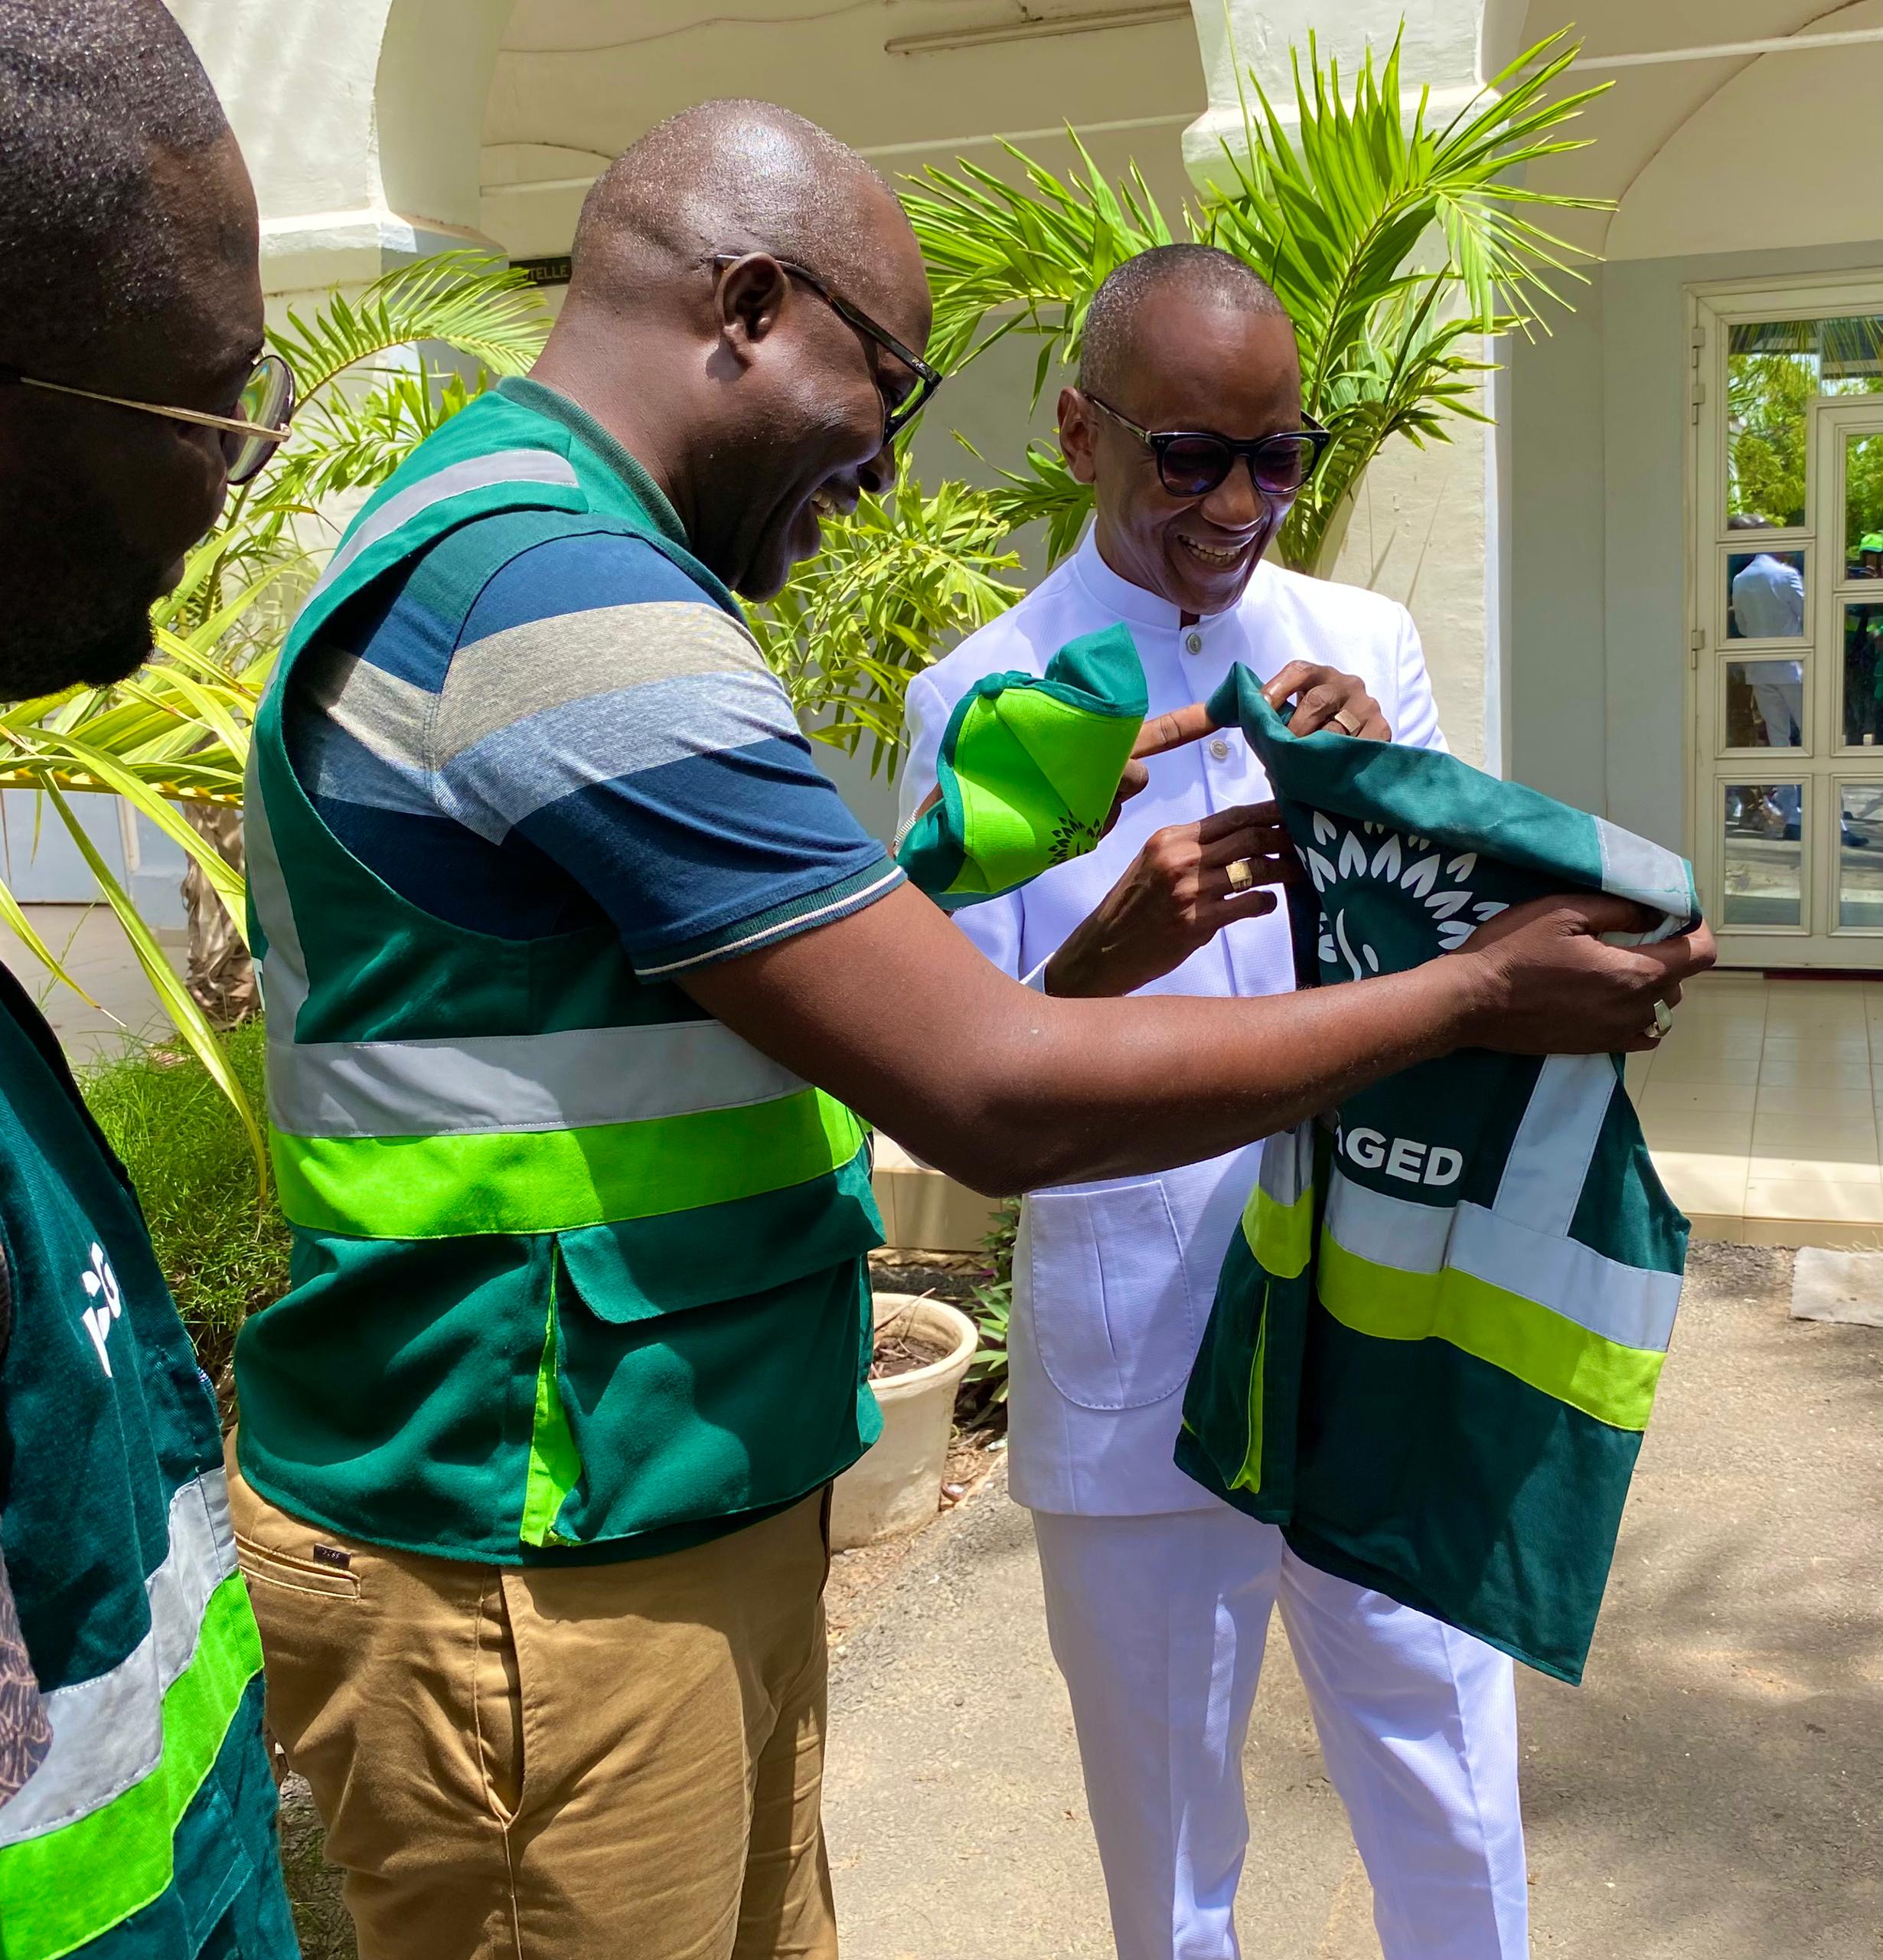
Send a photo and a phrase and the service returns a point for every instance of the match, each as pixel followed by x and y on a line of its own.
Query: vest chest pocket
pixel 1110 1303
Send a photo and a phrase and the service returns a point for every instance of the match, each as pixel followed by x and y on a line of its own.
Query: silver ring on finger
pixel 1663 1018
pixel 1241 873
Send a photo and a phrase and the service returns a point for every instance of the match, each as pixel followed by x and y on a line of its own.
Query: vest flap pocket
pixel 637 1269
pixel 1110 1305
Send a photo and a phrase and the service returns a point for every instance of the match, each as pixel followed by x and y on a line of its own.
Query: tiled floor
pixel 1762 1106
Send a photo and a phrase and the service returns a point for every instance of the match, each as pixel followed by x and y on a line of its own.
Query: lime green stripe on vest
pixel 1027 771
pixel 1281 1236
pixel 557 1180
pixel 1613 1383
pixel 70 1886
pixel 555 1462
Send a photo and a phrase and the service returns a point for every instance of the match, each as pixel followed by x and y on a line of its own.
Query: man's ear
pixel 749 299
pixel 1077 431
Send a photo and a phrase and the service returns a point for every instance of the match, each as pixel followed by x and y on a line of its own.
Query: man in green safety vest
pixel 576 969
pixel 137 1808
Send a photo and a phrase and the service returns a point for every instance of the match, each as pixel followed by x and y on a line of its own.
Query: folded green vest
pixel 1436 1339
pixel 1028 769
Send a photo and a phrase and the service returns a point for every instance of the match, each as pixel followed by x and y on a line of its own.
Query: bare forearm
pixel 1006 1090
pixel 1085 1089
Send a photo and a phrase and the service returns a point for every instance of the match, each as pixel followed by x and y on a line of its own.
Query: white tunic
pixel 1113 1281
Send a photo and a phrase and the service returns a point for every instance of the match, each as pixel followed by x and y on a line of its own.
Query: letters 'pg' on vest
pixel 678 1331
pixel 1435 1341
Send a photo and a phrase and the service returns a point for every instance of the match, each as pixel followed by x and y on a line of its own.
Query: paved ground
pixel 1715 1792
pixel 89 942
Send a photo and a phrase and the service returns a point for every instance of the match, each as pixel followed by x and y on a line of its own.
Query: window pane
pixel 1850 356
pixel 1863 507
pixel 1763 858
pixel 1860 856
pixel 1773 367
pixel 1765 595
pixel 1863 673
pixel 1764 704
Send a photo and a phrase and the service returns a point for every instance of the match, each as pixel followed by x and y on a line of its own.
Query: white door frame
pixel 1713 308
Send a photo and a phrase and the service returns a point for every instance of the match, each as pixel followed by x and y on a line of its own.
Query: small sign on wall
pixel 544 272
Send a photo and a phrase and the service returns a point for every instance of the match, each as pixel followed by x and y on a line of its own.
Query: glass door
pixel 1788 651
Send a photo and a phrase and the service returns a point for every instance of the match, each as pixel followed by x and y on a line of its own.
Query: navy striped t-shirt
pixel 602 740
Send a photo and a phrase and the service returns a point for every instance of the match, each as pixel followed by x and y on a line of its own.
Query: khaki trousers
pixel 617 1762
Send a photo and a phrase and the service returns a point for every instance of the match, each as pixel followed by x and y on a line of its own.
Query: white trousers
pixel 1158 1625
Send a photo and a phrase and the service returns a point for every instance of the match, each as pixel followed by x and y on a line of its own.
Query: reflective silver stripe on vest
pixel 107 1733
pixel 474 473
pixel 1626 1304
pixel 1287 1164
pixel 572 1080
pixel 1549 1162
pixel 1638 868
pixel 283 967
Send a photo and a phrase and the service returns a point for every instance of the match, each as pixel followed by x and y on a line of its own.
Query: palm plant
pixel 1394 241
pixel 894 580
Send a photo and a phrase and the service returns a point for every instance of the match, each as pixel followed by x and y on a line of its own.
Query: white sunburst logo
pixel 1371 854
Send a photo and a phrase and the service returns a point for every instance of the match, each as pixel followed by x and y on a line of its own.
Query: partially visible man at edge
pixel 146 1823
pixel 561 926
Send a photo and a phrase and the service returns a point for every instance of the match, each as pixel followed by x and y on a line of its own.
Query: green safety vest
pixel 1027 770
pixel 574 1265
pixel 1436 1340
pixel 148 1830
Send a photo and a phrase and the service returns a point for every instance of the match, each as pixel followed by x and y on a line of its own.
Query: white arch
pixel 361 120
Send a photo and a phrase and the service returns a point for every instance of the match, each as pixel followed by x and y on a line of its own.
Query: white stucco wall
pixel 359 120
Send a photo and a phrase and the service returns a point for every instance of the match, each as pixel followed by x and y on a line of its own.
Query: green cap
pixel 1872 541
pixel 1028 771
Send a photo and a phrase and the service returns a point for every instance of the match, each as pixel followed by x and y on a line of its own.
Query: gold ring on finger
pixel 1242 875
pixel 1345 723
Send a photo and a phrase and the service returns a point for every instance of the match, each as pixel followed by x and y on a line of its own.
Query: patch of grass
pixel 186 1153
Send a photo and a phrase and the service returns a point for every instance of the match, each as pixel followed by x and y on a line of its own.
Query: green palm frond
pixel 897 582
pixel 1034 253
pixel 1393 240
pixel 475 305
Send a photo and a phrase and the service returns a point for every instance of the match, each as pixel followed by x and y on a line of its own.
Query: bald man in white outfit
pixel 1158 1596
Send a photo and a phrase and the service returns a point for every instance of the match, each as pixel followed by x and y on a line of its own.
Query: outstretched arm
pixel 1006 1090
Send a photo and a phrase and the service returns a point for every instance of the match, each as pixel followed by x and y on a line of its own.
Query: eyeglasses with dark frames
pixel 248 440
pixel 1192 462
pixel 897 415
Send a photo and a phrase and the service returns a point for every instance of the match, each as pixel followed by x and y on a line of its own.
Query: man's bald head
pixel 732 176
pixel 1156 281
pixel 757 393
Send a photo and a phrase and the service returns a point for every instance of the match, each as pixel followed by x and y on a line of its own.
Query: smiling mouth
pixel 1217 561
pixel 827 503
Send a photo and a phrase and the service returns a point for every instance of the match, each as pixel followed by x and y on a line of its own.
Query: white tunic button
pixel 1220 749
pixel 1192 642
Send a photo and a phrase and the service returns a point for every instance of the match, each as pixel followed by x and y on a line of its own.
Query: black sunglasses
pixel 248 440
pixel 1192 462
pixel 897 415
